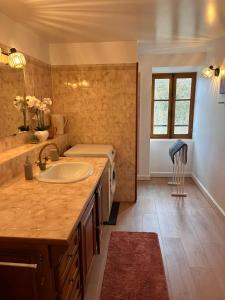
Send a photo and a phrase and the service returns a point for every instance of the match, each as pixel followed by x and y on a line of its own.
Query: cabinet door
pixel 99 219
pixel 88 237
pixel 18 282
pixel 24 275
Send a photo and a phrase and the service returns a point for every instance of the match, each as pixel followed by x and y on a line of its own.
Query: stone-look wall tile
pixel 13 141
pixel 103 113
pixel 38 78
pixel 12 161
pixel 11 85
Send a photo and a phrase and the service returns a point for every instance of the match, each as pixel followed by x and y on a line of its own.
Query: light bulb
pixel 16 59
pixel 207 72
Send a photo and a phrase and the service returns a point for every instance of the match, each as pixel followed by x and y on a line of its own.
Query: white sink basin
pixel 66 172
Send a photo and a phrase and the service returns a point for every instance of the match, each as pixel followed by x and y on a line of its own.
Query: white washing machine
pixel 100 151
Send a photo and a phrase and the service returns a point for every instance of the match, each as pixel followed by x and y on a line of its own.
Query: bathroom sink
pixel 66 172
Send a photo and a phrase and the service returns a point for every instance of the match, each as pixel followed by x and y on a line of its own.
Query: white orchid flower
pixel 19 98
pixel 47 101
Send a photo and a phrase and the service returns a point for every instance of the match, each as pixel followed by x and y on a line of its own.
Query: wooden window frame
pixel 172 104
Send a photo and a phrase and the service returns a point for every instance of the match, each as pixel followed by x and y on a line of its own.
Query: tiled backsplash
pixel 12 161
pixel 99 102
pixel 13 141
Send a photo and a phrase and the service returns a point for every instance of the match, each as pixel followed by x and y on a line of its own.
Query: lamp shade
pixel 207 72
pixel 16 59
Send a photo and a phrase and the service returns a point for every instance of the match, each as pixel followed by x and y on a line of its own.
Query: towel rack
pixel 178 154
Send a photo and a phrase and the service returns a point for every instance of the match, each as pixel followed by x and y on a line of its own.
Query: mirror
pixel 11 85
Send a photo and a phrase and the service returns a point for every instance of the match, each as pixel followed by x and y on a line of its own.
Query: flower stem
pixel 25 118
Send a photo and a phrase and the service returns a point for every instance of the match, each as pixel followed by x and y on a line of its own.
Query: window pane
pixel 181 130
pixel 182 110
pixel 160 117
pixel 162 87
pixel 160 130
pixel 183 88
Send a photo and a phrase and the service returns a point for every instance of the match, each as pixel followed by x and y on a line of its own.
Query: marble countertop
pixel 45 211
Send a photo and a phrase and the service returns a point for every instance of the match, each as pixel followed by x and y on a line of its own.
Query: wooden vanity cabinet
pixel 72 266
pixel 53 272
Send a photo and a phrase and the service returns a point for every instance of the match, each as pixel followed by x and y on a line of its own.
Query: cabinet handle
pixel 18 265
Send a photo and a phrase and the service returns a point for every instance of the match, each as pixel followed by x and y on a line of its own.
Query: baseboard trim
pixel 208 196
pixel 143 177
pixel 167 174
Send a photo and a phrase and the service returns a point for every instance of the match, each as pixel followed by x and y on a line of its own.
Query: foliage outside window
pixel 172 106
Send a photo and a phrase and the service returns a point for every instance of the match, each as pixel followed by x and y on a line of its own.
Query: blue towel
pixel 176 147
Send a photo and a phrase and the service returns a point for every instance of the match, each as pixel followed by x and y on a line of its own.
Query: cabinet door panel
pixel 99 219
pixel 89 240
pixel 24 274
pixel 88 231
pixel 17 283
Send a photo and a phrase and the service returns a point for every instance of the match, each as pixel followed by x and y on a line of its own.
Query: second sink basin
pixel 66 172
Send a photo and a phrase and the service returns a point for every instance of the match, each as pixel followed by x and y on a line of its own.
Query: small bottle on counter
pixel 28 169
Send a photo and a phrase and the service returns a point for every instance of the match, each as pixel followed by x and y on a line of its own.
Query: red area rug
pixel 134 268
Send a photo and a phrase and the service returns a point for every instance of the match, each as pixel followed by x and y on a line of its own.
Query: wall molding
pixel 167 174
pixel 143 177
pixel 208 196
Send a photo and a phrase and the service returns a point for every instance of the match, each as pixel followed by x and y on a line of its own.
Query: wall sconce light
pixel 14 59
pixel 208 72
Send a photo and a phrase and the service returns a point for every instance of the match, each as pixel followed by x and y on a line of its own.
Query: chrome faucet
pixel 42 164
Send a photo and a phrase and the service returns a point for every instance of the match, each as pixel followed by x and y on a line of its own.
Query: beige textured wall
pixel 38 78
pixel 104 112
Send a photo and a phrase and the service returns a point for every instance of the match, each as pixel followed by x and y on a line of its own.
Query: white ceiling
pixel 70 21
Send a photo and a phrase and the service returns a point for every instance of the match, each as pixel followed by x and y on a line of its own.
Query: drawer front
pixel 67 259
pixel 72 281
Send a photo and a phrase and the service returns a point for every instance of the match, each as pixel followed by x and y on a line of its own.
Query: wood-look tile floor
pixel 192 239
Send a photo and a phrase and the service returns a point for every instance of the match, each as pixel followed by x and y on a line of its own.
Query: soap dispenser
pixel 28 169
